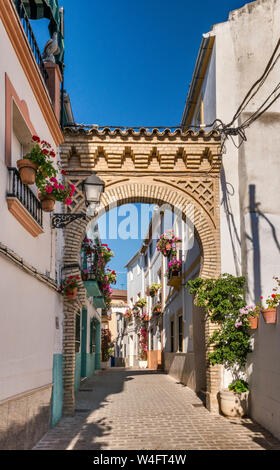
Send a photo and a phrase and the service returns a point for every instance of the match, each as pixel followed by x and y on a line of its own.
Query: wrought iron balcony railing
pixel 31 38
pixel 24 194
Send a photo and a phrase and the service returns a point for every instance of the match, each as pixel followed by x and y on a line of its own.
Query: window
pixel 172 345
pixel 180 333
pixel 152 339
pixel 78 332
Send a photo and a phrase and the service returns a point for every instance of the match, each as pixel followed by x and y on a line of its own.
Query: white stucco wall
pixel 28 334
pixel 39 252
pixel 249 184
pixel 31 312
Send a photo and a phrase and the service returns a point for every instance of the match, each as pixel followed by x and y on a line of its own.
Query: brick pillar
pixel 68 359
pixel 53 84
pixel 213 373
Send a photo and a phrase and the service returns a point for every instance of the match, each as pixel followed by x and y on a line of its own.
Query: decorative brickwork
pixel 175 168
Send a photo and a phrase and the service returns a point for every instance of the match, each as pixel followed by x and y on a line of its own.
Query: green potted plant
pixel 234 400
pixel 153 289
pixel 272 302
pixel 36 165
pixel 223 298
pixel 50 190
pixel 69 287
pixel 168 243
pixel 141 303
pixel 157 309
pixel 252 314
pixel 112 276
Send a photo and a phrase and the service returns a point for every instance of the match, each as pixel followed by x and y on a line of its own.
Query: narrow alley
pixel 141 410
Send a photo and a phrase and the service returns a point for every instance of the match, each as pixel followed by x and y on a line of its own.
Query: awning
pixel 94 292
pixel 37 9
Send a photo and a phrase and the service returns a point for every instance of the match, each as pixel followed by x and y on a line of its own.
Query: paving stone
pixel 139 410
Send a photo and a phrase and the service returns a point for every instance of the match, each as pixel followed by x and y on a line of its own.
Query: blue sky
pixel 130 63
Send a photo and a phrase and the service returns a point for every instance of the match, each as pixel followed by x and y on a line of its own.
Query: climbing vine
pixel 222 299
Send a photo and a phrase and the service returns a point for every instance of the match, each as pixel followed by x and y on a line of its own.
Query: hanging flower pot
pixel 69 287
pixel 253 321
pixel 71 294
pixel 269 315
pixel 27 170
pixel 47 202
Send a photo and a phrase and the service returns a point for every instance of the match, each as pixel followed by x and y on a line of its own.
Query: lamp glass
pixel 93 187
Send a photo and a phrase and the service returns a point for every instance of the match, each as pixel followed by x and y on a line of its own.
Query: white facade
pixel 249 183
pixel 31 307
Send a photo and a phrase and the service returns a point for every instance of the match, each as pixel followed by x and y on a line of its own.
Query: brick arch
pixel 178 168
pixel 118 194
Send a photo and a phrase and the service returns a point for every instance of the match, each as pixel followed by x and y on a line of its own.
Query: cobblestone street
pixel 135 409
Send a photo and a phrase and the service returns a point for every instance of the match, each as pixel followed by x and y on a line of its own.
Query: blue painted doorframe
pixel 84 343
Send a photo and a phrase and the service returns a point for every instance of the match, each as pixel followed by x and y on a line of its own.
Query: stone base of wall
pixel 155 360
pixel 25 418
pixel 181 366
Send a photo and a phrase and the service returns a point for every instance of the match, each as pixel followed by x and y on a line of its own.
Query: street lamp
pixel 92 188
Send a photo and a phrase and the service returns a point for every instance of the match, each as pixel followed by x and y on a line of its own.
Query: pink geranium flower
pixel 49 189
pixel 68 202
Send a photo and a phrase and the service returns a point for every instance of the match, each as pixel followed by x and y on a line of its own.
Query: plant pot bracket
pixel 62 220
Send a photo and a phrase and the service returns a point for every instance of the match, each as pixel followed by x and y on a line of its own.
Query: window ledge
pixel 23 217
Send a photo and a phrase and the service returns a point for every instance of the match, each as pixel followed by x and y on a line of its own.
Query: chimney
pixel 53 84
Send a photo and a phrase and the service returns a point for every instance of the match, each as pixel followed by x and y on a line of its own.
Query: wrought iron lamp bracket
pixel 62 220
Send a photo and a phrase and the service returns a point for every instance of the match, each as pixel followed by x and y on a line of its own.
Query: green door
pixel 84 343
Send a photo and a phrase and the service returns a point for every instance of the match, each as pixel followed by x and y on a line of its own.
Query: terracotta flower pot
pixel 47 202
pixel 71 295
pixel 27 170
pixel 253 322
pixel 234 404
pixel 269 315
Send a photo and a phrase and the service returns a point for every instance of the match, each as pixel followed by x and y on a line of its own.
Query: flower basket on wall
pixel 153 289
pixel 47 202
pixel 174 273
pixel 269 315
pixel 157 309
pixel 27 170
pixel 69 287
pixel 168 243
pixel 253 321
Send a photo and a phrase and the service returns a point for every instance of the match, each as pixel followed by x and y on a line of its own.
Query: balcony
pixel 31 38
pixel 23 204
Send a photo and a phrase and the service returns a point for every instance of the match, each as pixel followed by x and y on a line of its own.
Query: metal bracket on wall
pixel 62 220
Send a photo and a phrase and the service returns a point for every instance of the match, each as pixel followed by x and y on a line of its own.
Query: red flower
pixel 35 138
pixel 261 297
pixel 71 277
pixel 45 152
pixel 52 154
pixel 78 277
pixel 63 172
pixel 273 296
